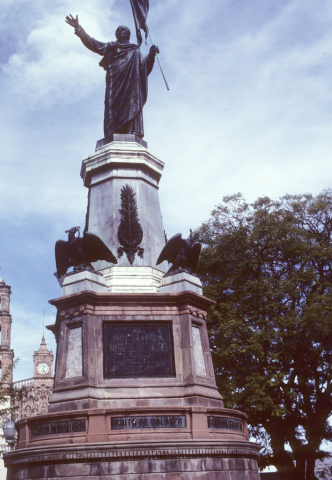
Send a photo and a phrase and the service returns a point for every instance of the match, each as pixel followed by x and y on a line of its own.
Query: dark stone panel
pixel 133 350
pixel 225 423
pixel 155 421
pixel 54 428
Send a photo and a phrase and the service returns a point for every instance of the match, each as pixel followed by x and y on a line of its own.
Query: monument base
pixel 181 282
pixel 163 460
pixel 82 281
pixel 134 394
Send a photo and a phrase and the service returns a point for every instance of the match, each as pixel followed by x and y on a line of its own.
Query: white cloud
pixel 50 64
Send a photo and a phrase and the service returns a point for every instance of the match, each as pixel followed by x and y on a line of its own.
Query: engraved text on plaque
pixel 138 350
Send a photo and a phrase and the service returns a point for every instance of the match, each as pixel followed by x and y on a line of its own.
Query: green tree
pixel 268 266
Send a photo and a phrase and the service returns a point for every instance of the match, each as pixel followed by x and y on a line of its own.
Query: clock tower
pixel 43 361
pixel 39 388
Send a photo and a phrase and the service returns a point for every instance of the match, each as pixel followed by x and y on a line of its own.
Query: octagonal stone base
pixel 165 460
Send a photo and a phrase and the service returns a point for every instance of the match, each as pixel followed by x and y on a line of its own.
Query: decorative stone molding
pixel 121 153
pixel 178 450
pixel 198 313
pixel 64 314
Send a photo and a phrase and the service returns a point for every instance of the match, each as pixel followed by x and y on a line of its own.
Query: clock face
pixel 43 368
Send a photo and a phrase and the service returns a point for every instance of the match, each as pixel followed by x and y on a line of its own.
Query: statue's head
pixel 122 34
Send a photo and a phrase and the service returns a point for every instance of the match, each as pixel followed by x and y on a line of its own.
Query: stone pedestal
pixel 134 394
pixel 105 173
pixel 128 351
pixel 181 282
pixel 83 281
pixel 142 460
pixel 132 279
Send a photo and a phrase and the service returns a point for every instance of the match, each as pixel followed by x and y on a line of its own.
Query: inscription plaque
pixel 198 352
pixel 53 428
pixel 74 367
pixel 161 421
pixel 138 350
pixel 225 423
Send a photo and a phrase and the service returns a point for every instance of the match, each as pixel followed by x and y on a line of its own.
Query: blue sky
pixel 249 110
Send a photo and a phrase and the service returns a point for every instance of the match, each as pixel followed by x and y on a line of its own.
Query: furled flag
pixel 140 11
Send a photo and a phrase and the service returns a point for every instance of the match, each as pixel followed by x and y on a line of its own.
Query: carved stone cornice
pixel 133 451
pixel 88 302
pixel 128 154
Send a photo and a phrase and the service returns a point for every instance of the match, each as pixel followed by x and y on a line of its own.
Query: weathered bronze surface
pixel 155 421
pixel 182 254
pixel 225 423
pixel 138 350
pixel 126 79
pixel 80 251
pixel 130 233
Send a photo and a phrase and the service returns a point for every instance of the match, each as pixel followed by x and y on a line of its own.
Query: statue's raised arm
pixel 89 42
pixel 73 22
pixel 126 79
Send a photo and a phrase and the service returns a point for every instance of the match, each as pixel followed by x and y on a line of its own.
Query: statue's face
pixel 122 34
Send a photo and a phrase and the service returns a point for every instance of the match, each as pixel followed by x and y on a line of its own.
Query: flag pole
pixel 158 61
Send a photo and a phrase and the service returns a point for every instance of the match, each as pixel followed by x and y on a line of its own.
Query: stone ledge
pixel 132 279
pixel 117 154
pixel 82 281
pixel 126 303
pixel 128 451
pixel 170 299
pixel 110 411
pixel 181 282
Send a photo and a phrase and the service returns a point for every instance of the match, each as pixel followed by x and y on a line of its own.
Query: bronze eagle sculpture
pixel 80 252
pixel 183 254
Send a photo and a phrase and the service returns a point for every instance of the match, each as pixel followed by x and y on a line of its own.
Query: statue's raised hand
pixel 73 22
pixel 154 50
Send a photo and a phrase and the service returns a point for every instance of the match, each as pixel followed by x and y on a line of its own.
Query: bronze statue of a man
pixel 126 79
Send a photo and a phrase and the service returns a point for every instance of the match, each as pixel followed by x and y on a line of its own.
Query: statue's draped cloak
pixel 126 83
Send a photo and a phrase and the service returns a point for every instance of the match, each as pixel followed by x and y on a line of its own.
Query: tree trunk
pixel 283 463
pixel 300 467
pixel 281 459
pixel 287 475
pixel 310 468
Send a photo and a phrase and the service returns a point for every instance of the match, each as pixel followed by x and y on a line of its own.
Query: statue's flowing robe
pixel 126 83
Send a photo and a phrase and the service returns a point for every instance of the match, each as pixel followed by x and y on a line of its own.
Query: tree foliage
pixel 269 268
pixel 9 399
